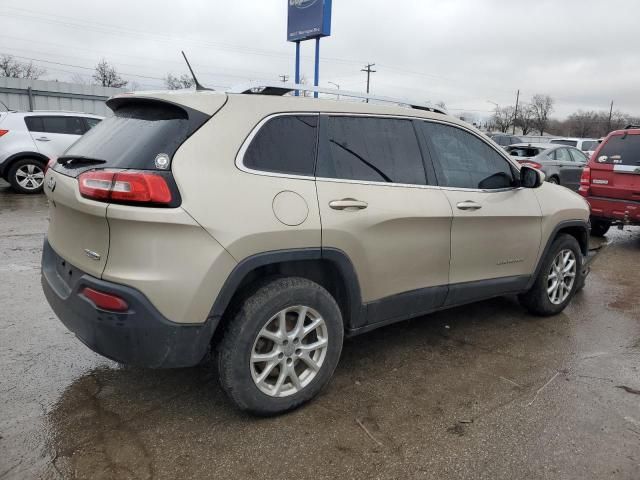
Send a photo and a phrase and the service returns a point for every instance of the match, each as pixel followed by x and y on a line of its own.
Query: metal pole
pixel 610 115
pixel 30 93
pixel 316 77
pixel 297 74
pixel 515 115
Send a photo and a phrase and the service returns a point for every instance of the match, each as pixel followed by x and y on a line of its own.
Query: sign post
pixel 308 19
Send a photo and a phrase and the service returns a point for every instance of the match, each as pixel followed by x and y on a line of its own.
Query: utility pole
pixel 367 69
pixel 515 114
pixel 284 78
pixel 610 115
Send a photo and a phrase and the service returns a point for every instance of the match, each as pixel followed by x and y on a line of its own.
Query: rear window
pixel 525 152
pixel 134 137
pixel 589 145
pixel 571 143
pixel 621 150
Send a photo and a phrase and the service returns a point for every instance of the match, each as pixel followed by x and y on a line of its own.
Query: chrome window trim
pixel 239 161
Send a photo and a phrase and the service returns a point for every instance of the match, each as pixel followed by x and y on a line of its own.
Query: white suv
pixel 28 140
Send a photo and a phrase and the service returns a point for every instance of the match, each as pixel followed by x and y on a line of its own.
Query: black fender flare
pixel 337 257
pixel 4 167
pixel 584 243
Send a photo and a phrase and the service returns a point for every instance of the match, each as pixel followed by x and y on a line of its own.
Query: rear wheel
pixel 281 347
pixel 26 175
pixel 559 278
pixel 599 227
pixel 554 180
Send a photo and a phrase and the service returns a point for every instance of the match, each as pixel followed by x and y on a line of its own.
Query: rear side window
pixel 578 156
pixel 137 133
pixel 285 144
pixel 371 149
pixel 621 150
pixel 465 161
pixel 51 124
pixel 562 155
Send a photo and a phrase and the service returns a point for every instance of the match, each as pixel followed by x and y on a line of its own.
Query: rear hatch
pixel 125 159
pixel 615 167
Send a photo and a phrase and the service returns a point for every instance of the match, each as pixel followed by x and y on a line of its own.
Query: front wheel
pixel 559 278
pixel 281 347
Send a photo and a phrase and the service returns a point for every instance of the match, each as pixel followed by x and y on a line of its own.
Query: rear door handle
pixel 43 139
pixel 348 204
pixel 469 205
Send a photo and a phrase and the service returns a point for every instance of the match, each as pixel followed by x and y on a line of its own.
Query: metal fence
pixel 27 95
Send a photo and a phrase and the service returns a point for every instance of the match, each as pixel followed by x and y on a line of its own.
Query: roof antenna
pixel 195 80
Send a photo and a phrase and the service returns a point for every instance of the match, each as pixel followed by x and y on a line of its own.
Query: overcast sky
pixel 584 53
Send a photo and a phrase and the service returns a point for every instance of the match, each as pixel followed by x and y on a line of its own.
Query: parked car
pixel 560 164
pixel 584 144
pixel 268 228
pixel 28 140
pixel 611 181
pixel 504 139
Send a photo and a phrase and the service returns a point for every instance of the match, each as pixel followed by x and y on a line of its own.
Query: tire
pixel 247 336
pixel 26 175
pixel 538 300
pixel 599 227
pixel 554 180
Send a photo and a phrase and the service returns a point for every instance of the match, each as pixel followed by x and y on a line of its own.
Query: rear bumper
pixel 141 336
pixel 626 211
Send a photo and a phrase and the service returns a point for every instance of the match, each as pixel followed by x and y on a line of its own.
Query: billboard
pixel 308 19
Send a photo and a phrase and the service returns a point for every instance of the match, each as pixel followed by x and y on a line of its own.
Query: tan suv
pixel 266 228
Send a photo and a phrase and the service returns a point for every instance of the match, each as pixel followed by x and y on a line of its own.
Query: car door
pixel 378 207
pixel 54 134
pixel 496 227
pixel 574 172
pixel 567 168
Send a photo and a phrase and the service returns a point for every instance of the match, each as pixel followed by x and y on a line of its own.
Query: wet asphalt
pixel 482 391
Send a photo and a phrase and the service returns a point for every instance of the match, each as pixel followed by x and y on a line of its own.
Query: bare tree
pixel 503 118
pixel 525 119
pixel 10 67
pixel 441 104
pixel 79 79
pixel 107 76
pixel 173 82
pixel 542 106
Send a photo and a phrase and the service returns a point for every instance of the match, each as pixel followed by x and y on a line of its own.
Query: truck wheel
pixel 558 279
pixel 281 347
pixel 599 227
pixel 26 175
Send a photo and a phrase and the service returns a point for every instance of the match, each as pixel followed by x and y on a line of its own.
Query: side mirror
pixel 531 177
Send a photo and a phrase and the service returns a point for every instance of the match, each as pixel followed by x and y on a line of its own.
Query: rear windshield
pixel 621 150
pixel 526 152
pixel 134 137
pixel 571 143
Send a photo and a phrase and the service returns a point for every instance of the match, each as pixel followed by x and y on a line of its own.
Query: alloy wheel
pixel 561 276
pixel 30 176
pixel 289 351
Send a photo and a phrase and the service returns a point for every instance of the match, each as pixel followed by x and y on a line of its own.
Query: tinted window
pixel 63 125
pixel 133 138
pixel 589 145
pixel 621 150
pixel 284 145
pixel 571 143
pixel 578 156
pixel 372 149
pixel 92 122
pixel 34 124
pixel 465 161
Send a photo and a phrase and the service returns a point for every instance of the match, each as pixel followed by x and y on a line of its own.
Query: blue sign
pixel 308 19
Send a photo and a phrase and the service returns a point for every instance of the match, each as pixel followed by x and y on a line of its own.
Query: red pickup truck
pixel 611 181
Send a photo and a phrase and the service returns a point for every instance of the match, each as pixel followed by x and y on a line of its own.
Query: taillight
pixel 105 301
pixel 125 187
pixel 3 132
pixel 585 181
pixel 529 163
pixel 49 164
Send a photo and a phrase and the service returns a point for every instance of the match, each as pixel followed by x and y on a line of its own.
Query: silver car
pixel 28 140
pixel 560 163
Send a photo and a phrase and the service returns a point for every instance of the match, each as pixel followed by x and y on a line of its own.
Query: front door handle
pixel 348 204
pixel 43 139
pixel 469 205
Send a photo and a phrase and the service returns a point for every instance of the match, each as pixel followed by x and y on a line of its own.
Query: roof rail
pixel 279 89
pixel 631 126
